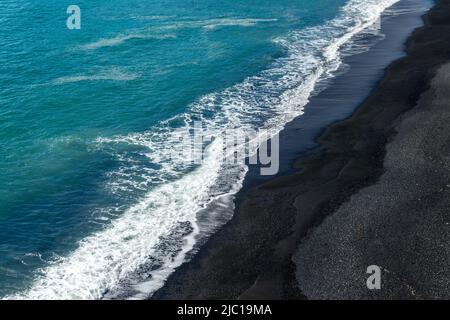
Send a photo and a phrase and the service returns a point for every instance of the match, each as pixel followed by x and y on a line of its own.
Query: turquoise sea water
pixel 91 206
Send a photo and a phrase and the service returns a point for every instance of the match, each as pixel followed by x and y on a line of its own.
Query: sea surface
pixel 93 202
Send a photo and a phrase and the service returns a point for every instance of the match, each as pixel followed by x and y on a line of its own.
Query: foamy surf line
pixel 111 259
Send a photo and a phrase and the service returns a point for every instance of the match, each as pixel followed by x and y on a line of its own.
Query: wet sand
pixel 374 191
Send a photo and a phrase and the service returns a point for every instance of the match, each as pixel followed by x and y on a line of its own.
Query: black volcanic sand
pixel 401 223
pixel 375 191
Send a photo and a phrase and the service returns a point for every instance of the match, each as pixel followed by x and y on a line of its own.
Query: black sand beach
pixel 375 190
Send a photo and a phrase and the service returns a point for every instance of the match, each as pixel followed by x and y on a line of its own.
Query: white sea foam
pixel 109 258
pixel 120 39
pixel 212 24
pixel 157 17
pixel 111 74
pixel 217 23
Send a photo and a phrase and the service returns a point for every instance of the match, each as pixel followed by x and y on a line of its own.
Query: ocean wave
pixel 136 253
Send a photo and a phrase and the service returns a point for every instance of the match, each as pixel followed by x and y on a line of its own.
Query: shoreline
pixel 251 256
